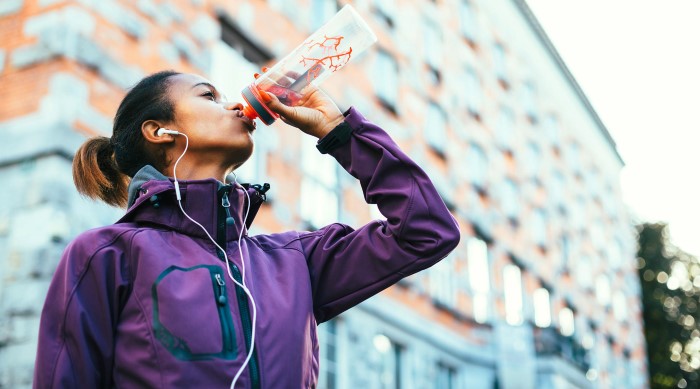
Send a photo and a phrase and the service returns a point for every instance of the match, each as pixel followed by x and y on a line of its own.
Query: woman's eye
pixel 210 95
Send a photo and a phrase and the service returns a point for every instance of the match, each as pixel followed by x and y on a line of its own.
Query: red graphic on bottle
pixel 332 57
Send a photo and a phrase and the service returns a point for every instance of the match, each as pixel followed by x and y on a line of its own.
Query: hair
pixel 103 167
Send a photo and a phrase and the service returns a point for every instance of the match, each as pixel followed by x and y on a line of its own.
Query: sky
pixel 638 62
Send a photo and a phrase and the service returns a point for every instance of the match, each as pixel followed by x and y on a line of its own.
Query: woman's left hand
pixel 315 114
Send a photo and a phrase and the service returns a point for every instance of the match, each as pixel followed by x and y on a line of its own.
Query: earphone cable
pixel 228 267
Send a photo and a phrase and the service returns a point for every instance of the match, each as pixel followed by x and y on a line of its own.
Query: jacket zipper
pixel 224 215
pixel 221 304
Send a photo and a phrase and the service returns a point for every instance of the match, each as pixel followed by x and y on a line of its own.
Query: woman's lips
pixel 249 122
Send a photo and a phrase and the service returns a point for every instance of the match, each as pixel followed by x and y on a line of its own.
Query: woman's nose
pixel 233 106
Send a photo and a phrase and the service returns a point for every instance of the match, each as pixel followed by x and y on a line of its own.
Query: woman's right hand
pixel 315 114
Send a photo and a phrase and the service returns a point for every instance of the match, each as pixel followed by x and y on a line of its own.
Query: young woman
pixel 176 293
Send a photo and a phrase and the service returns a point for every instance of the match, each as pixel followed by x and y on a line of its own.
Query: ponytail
pixel 102 166
pixel 96 175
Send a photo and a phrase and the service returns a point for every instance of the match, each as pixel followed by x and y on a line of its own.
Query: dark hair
pixel 102 166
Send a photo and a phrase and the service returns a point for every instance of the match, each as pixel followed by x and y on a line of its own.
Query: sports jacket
pixel 147 302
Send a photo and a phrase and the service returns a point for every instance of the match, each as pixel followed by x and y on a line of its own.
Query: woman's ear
pixel 149 130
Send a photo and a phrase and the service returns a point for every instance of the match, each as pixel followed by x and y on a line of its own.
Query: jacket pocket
pixel 191 313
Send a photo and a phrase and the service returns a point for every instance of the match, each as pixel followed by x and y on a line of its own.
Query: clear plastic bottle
pixel 326 51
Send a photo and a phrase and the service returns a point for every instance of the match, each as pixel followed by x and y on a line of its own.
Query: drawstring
pixel 230 221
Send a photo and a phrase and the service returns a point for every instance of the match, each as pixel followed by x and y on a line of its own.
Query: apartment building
pixel 542 291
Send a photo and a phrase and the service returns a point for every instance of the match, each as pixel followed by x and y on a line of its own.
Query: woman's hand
pixel 315 113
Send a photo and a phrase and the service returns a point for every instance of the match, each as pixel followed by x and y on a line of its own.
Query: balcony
pixel 551 343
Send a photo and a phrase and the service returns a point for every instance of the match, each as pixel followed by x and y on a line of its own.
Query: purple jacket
pixel 147 302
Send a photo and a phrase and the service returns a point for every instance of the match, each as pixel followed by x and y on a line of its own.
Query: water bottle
pixel 326 51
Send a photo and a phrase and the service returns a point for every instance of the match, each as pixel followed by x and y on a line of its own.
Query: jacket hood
pixel 152 201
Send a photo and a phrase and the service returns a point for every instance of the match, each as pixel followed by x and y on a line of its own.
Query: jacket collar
pixel 152 201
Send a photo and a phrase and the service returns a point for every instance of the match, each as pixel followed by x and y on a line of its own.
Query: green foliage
pixel 670 280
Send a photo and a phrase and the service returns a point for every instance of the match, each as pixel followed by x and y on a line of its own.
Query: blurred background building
pixel 542 291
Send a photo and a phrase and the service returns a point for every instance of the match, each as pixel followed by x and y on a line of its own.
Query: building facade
pixel 542 291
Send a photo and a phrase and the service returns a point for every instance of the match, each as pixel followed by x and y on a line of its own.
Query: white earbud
pixel 162 131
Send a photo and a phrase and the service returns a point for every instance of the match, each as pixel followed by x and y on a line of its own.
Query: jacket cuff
pixel 341 133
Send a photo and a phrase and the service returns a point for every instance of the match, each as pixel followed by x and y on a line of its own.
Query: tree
pixel 670 280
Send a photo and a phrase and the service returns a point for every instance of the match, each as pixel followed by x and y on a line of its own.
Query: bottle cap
pixel 256 107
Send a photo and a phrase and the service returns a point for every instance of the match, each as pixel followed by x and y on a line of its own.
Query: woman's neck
pixel 189 171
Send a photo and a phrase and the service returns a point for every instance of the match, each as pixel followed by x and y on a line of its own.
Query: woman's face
pixel 217 129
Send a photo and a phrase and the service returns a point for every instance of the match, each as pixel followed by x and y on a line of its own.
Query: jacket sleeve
pixel 347 266
pixel 80 314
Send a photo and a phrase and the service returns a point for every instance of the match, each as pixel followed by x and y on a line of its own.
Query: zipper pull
pixel 222 290
pixel 226 204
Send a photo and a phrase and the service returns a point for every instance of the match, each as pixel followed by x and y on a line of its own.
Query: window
pixel 513 294
pixel 387 10
pixel 435 128
pixel 577 216
pixel 290 9
pixel 602 352
pixel 473 93
pixel 510 201
pixel 532 160
pixel 557 187
pixel 552 130
pixel 565 250
pixel 443 282
pixel 230 71
pixel 386 80
pixel 328 354
pixel 619 305
pixel 593 182
pixel 322 11
pixel 615 254
pixel 239 41
pixel 539 228
pixel 320 198
pixel 583 272
pixel 479 277
pixel 433 45
pixel 445 376
pixel 499 63
pixel 597 234
pixel 610 200
pixel 505 128
pixel 229 83
pixel 467 20
pixel 540 299
pixel 602 290
pixel 476 166
pixel 566 321
pixel 528 100
pixel 390 362
pixel 573 157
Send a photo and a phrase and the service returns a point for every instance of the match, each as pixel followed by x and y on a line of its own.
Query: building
pixel 541 293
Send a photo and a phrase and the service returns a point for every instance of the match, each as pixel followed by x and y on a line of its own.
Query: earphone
pixel 242 284
pixel 162 131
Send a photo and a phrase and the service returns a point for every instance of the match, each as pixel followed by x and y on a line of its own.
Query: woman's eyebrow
pixel 205 84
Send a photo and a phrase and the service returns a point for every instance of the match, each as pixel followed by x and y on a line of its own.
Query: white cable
pixel 228 267
pixel 255 310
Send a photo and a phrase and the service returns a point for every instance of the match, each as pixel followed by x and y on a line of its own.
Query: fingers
pixel 276 105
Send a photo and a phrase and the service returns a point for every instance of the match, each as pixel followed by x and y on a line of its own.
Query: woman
pixel 176 292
